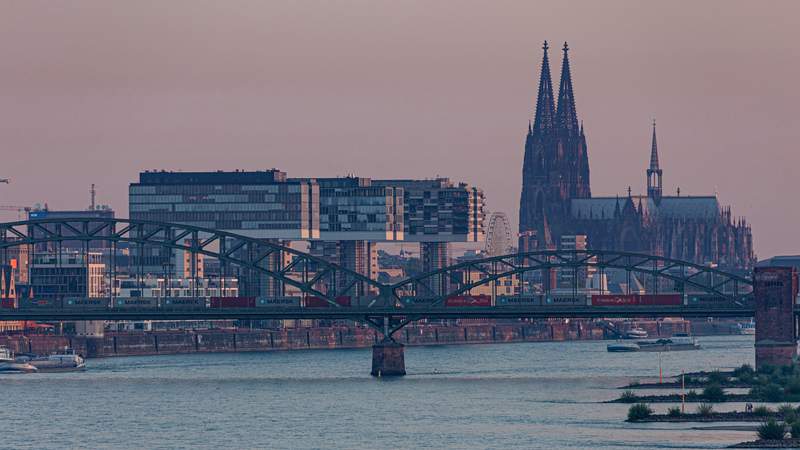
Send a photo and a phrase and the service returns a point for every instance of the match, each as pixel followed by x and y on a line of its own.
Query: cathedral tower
pixel 654 187
pixel 556 165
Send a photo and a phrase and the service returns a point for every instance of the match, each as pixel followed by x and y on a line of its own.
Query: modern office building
pixel 259 204
pixel 341 217
pixel 68 275
pixel 439 212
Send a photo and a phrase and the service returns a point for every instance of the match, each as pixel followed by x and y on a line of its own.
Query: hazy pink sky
pixel 96 91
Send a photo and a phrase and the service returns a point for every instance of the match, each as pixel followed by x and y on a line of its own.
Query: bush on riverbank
pixel 639 411
pixel 771 429
pixel 714 393
pixel 628 397
pixel 674 411
pixel 705 409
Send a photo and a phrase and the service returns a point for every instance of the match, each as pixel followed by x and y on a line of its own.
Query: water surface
pixel 524 395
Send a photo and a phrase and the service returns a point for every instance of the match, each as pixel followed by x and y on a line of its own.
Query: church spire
pixel 654 172
pixel 654 150
pixel 566 116
pixel 543 122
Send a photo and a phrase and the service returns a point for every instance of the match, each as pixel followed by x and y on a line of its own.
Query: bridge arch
pixel 703 279
pixel 327 280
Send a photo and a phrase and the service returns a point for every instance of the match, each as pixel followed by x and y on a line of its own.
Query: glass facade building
pixel 261 204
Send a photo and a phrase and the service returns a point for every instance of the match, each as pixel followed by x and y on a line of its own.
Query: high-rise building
pixel 557 200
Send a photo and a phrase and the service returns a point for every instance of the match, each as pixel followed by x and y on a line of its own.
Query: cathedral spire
pixel 654 150
pixel 566 116
pixel 654 172
pixel 543 122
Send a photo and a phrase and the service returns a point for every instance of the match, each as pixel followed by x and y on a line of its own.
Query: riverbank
pixel 244 340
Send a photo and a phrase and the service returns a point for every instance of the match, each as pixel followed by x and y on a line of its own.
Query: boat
pixel 675 343
pixel 748 328
pixel 635 333
pixel 65 361
pixel 623 347
pixel 9 365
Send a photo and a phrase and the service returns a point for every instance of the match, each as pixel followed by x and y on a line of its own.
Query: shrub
pixel 674 411
pixel 771 393
pixel 762 410
pixel 792 387
pixel 705 409
pixel 787 370
pixel 766 369
pixel 787 411
pixel 795 430
pixel 744 370
pixel 717 377
pixel 628 397
pixel 692 394
pixel 639 411
pixel 714 393
pixel 634 383
pixel 771 429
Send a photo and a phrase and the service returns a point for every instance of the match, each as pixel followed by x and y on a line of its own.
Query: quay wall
pixel 345 336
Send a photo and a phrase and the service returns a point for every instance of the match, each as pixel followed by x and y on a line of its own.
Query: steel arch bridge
pixel 687 277
pixel 309 274
pixel 383 307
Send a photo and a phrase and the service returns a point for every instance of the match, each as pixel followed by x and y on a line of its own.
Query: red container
pixel 233 302
pixel 8 303
pixel 615 300
pixel 661 300
pixel 468 300
pixel 319 302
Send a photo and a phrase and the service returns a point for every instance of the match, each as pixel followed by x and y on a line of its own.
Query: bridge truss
pixel 379 305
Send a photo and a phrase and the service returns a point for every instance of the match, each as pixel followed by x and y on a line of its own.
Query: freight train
pixel 458 301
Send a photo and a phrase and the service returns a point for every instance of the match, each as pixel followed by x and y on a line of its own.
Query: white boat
pixel 64 361
pixel 623 347
pixel 635 333
pixel 674 343
pixel 8 365
pixel 748 328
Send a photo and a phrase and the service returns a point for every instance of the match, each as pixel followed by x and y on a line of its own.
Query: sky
pixel 96 91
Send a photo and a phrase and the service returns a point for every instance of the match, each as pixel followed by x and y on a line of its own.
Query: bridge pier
pixel 388 359
pixel 775 290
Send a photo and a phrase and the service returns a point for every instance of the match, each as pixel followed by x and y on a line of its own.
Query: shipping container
pixel 661 300
pixel 135 303
pixel 183 303
pixel 708 300
pixel 8 303
pixel 233 302
pixel 419 302
pixel 39 303
pixel 277 302
pixel 86 303
pixel 468 300
pixel 535 300
pixel 565 300
pixel 615 300
pixel 319 302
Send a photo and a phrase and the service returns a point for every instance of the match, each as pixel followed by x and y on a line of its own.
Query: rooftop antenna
pixel 93 194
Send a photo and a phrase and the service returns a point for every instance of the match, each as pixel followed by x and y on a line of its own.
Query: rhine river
pixel 525 395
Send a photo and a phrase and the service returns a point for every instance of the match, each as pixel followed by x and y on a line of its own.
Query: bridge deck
pixel 360 313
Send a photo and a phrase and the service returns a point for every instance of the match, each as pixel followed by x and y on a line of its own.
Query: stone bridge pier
pixel 775 291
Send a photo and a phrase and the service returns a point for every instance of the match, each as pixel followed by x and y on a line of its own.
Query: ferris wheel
pixel 498 236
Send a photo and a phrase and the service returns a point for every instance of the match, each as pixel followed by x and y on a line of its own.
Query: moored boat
pixel 675 343
pixel 8 365
pixel 623 347
pixel 635 333
pixel 64 361
pixel 748 328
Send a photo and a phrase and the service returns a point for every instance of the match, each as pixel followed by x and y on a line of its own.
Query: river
pixel 523 395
